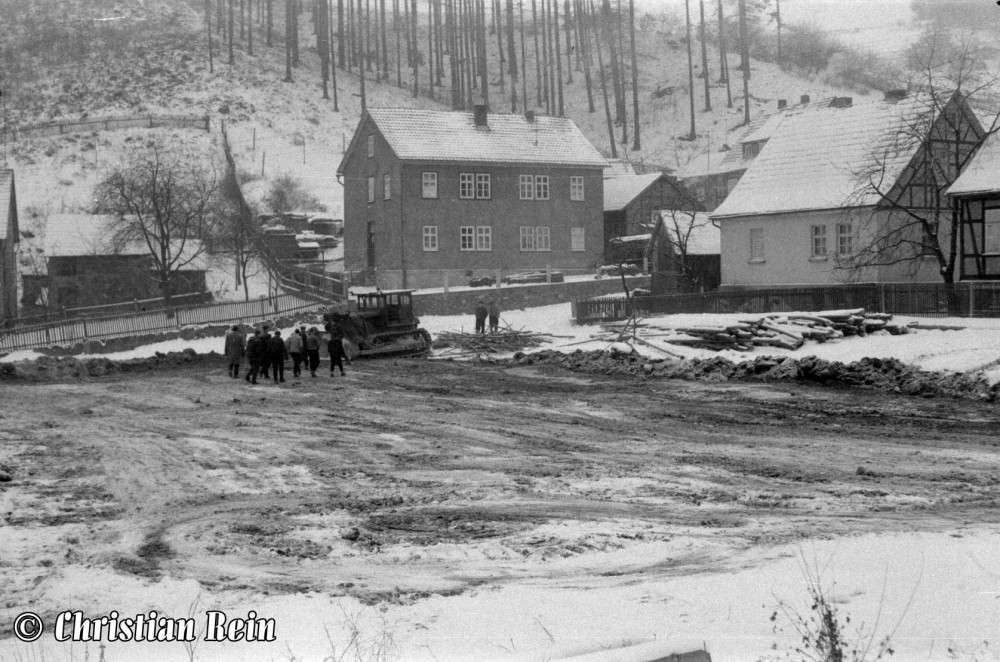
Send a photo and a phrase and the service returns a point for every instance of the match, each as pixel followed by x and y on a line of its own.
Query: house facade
pixel 834 194
pixel 9 238
pixel 976 194
pixel 432 197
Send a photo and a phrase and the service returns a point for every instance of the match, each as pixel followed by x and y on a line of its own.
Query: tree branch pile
pixel 459 343
pixel 788 331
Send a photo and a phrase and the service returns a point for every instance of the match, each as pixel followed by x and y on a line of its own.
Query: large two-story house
pixel 435 195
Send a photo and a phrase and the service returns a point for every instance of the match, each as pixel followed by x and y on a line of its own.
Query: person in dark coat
pixel 255 352
pixel 278 354
pixel 312 349
pixel 296 346
pixel 235 348
pixel 335 347
pixel 494 311
pixel 265 359
pixel 481 313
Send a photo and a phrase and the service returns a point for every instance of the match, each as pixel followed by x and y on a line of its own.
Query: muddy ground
pixel 412 478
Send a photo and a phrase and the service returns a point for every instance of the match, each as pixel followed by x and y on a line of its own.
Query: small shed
pixel 632 204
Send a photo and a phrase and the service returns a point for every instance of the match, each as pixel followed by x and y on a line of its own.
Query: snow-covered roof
pixel 704 238
pixel 6 194
pixel 72 235
pixel 982 173
pixel 620 191
pixel 452 136
pixel 815 159
pixel 633 238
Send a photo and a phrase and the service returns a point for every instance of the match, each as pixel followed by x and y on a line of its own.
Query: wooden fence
pixel 70 332
pixel 115 123
pixel 965 299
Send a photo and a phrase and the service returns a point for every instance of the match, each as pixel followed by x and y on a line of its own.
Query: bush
pixel 287 194
pixel 861 70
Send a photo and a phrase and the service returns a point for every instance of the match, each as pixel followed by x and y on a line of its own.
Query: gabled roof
pixel 6 197
pixel 452 137
pixel 982 173
pixel 74 235
pixel 620 191
pixel 703 237
pixel 816 159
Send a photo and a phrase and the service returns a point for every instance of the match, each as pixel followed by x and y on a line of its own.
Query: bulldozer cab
pixel 395 306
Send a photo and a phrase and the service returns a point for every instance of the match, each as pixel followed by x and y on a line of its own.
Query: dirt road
pixel 412 478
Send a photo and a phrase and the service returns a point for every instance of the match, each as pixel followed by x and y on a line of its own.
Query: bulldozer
pixel 382 324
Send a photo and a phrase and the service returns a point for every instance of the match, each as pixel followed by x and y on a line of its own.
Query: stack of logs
pixel 454 343
pixel 789 331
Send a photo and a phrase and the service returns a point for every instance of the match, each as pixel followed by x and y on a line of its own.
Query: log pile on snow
pixel 456 343
pixel 788 331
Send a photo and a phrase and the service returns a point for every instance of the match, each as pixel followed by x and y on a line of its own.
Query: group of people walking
pixel 267 353
pixel 492 311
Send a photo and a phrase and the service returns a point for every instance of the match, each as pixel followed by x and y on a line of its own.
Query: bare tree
pixel 676 228
pixel 163 201
pixel 911 219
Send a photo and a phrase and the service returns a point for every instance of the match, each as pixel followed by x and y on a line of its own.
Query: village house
pixel 977 194
pixel 431 196
pixel 79 270
pixel 9 238
pixel 831 182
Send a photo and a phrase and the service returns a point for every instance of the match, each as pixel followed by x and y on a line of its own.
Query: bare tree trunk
pixel 352 37
pixel 511 56
pixel 604 83
pixel 555 29
pixel 295 31
pixel 250 27
pixel 333 64
pixel 483 65
pixel 373 18
pixel 745 61
pixel 687 23
pixel 546 96
pixel 439 40
pixel 232 60
pixel 623 111
pixel 323 45
pixel 385 42
pixel 567 21
pixel 242 21
pixel 416 52
pixel 609 39
pixel 360 40
pixel 341 55
pixel 524 59
pixel 430 48
pixel 538 59
pixel 724 59
pixel 399 46
pixel 583 39
pixel 289 9
pixel 636 144
pixel 470 61
pixel 704 58
pixel 498 21
pixel 409 33
pixel 208 21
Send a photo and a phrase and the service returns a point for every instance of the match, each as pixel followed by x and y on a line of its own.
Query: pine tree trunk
pixel 512 56
pixel 208 21
pixel 704 58
pixel 745 61
pixel 232 60
pixel 567 21
pixel 250 28
pixel 416 52
pixel 636 143
pixel 409 31
pixel 399 45
pixel 333 64
pixel 498 20
pixel 546 96
pixel 687 23
pixel 439 42
pixel 341 55
pixel 295 32
pixel 323 45
pixel 288 40
pixel 373 18
pixel 538 59
pixel 623 111
pixel 430 48
pixel 609 39
pixel 604 83
pixel 362 74
pixel 524 59
pixel 724 59
pixel 270 21
pixel 385 41
pixel 559 82
pixel 483 65
pixel 583 38
pixel 243 27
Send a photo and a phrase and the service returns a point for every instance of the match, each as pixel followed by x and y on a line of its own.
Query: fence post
pixel 972 299
pixel 881 297
pixel 446 281
pixel 85 334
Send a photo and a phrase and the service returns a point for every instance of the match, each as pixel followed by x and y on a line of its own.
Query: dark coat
pixel 276 348
pixel 235 346
pixel 255 349
pixel 481 311
pixel 312 342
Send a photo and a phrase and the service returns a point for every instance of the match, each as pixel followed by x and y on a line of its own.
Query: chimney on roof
pixel 529 115
pixel 804 98
pixel 782 104
pixel 479 113
pixel 842 102
pixel 893 96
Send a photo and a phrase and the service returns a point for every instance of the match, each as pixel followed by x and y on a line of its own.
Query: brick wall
pixel 512 297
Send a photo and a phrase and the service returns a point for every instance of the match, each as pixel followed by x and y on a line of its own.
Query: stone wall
pixel 512 297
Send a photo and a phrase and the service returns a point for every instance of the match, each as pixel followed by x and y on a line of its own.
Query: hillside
pixel 154 60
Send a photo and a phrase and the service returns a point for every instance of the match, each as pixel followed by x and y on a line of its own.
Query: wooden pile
pixel 788 331
pixel 454 343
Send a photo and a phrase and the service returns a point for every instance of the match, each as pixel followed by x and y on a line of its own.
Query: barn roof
pixel 7 223
pixel 816 159
pixel 982 173
pixel 620 191
pixel 74 235
pixel 453 137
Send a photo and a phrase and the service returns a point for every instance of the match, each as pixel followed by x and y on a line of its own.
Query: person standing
pixel 312 349
pixel 255 351
pixel 295 346
pixel 481 313
pixel 494 311
pixel 335 347
pixel 279 354
pixel 235 348
pixel 265 359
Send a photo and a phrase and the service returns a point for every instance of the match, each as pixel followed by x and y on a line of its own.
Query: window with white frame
pixel 483 186
pixel 466 186
pixel 576 188
pixel 430 237
pixel 371 146
pixel 430 185
pixel 526 187
pixel 756 244
pixel 484 238
pixel 467 238
pixel 818 241
pixel 386 187
pixel 845 239
pixel 536 239
pixel 541 187
pixel 577 239
pixel 371 189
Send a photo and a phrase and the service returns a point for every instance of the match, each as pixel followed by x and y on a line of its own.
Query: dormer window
pixel 752 149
